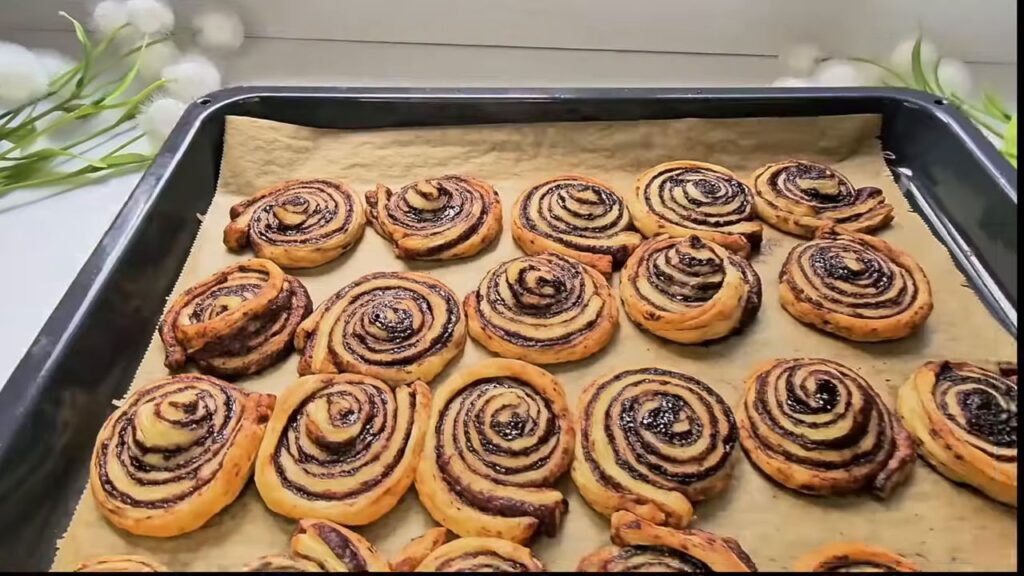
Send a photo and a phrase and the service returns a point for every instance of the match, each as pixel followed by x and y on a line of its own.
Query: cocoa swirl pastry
pixel 642 546
pixel 412 554
pixel 334 548
pixel 298 223
pixel 853 557
pixel 689 290
pixel 239 321
pixel 120 564
pixel 577 216
pixel 281 563
pixel 964 419
pixel 396 326
pixel 651 441
pixel 818 427
pixel 500 436
pixel 855 286
pixel 175 453
pixel 481 555
pixel 341 447
pixel 543 309
pixel 436 219
pixel 798 196
pixel 684 198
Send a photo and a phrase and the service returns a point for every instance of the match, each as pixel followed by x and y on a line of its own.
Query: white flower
pixel 158 118
pixel 955 77
pixel 156 57
pixel 800 59
pixel 841 72
pixel 191 77
pixel 791 82
pixel 151 17
pixel 22 77
pixel 53 62
pixel 901 58
pixel 109 15
pixel 219 29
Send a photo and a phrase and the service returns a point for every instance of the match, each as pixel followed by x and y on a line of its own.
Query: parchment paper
pixel 934 522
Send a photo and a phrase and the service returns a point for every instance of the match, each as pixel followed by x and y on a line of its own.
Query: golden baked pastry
pixel 438 218
pixel 964 419
pixel 689 290
pixel 175 453
pixel 578 217
pixel 334 548
pixel 651 441
pixel 481 555
pixel 500 435
pixel 412 554
pixel 798 196
pixel 342 447
pixel 396 326
pixel 542 309
pixel 817 427
pixel 120 564
pixel 853 557
pixel 855 286
pixel 281 563
pixel 298 223
pixel 236 322
pixel 642 546
pixel 684 198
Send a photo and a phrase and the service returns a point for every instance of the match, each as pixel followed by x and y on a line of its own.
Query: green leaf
pixel 128 78
pixel 920 80
pixel 1010 139
pixel 935 76
pixel 126 158
pixel 994 105
pixel 87 52
pixel 18 133
pixel 60 152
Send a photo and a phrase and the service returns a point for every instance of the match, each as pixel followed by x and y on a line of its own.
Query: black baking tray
pixel 87 353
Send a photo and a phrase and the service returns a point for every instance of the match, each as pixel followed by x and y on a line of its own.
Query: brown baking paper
pixel 934 522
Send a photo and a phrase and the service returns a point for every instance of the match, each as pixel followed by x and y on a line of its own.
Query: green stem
pixel 983 122
pixel 68 176
pixel 963 103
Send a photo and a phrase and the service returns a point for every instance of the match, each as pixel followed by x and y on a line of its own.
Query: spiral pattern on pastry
pixel 651 441
pixel 853 557
pixel 689 290
pixel 280 563
pixel 175 453
pixel 481 555
pixel 818 427
pixel 239 321
pixel 120 564
pixel 798 196
pixel 642 546
pixel 398 327
pixel 342 447
pixel 436 219
pixel 855 286
pixel 543 309
pixel 501 435
pixel 964 419
pixel 298 223
pixel 577 216
pixel 684 198
pixel 334 548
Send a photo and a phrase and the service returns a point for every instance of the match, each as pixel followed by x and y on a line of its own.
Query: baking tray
pixel 86 354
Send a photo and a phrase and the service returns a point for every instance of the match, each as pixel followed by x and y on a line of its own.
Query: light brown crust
pixel 334 548
pixel 481 555
pixel 853 556
pixel 280 563
pixel 125 563
pixel 412 554
pixel 855 286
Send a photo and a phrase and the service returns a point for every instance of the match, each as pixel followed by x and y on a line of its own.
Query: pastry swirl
pixel 398 327
pixel 642 546
pixel 416 551
pixel 481 555
pixel 853 557
pixel 964 419
pixel 689 290
pixel 684 198
pixel 175 453
pixel 281 563
pixel 298 223
pixel 543 309
pixel 855 286
pixel 239 321
pixel 436 219
pixel 651 441
pixel 578 217
pixel 818 427
pixel 500 436
pixel 334 548
pixel 120 564
pixel 798 196
pixel 341 447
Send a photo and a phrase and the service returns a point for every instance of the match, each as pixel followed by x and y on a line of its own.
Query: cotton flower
pixel 151 17
pixel 840 72
pixel 791 82
pixel 22 77
pixel 191 77
pixel 800 59
pixel 219 29
pixel 156 57
pixel 158 118
pixel 955 77
pixel 53 62
pixel 901 58
pixel 109 15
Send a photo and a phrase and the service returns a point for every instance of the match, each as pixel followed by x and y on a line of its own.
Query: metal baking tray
pixel 86 354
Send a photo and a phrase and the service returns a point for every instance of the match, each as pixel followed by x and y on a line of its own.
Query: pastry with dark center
pixel 236 322
pixel 855 286
pixel 642 546
pixel 500 436
pixel 481 555
pixel 436 219
pixel 298 223
pixel 334 548
pixel 817 427
pixel 964 420
pixel 853 557
pixel 798 196
pixel 578 217
pixel 175 453
pixel 120 564
pixel 281 563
